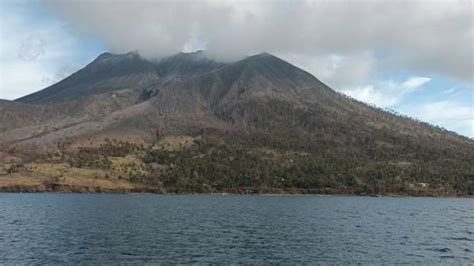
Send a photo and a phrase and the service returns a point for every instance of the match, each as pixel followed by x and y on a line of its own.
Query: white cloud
pixel 34 53
pixel 337 71
pixel 413 83
pixel 450 90
pixel 451 115
pixel 19 78
pixel 386 93
pixel 418 35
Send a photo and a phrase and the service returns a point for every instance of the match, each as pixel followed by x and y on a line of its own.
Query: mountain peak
pixel 104 55
pixel 266 57
pixel 108 57
pixel 264 54
pixel 276 69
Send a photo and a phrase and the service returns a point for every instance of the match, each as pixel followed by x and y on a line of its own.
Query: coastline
pixel 60 178
pixel 269 192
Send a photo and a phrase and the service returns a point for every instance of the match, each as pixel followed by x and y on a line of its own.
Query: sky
pixel 413 57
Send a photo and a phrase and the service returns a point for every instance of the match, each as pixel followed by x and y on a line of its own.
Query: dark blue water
pixel 59 228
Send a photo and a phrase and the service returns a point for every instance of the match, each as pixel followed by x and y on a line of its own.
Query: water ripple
pixel 103 229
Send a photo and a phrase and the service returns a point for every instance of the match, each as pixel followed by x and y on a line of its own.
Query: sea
pixel 145 228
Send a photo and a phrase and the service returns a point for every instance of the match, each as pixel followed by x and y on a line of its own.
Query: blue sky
pixel 420 66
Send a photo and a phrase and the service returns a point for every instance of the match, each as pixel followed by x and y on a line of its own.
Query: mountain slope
pixel 317 136
pixel 107 73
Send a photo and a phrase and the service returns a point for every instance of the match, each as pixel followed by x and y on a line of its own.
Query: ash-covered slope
pixel 115 72
pixel 106 73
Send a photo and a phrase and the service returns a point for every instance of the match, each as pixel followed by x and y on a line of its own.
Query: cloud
pixel 35 51
pixel 452 115
pixel 450 90
pixel 353 46
pixel 427 36
pixel 413 83
pixel 386 93
pixel 335 70
pixel 32 47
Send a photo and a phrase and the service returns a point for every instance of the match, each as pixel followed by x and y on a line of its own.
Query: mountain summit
pixel 260 103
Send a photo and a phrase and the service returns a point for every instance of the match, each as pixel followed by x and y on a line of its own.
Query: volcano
pixel 260 103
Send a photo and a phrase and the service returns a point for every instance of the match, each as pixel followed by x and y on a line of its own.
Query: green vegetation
pixel 98 157
pixel 14 168
pixel 238 164
pixel 88 158
pixel 212 165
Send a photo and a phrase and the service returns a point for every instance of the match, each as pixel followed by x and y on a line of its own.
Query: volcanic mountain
pixel 260 103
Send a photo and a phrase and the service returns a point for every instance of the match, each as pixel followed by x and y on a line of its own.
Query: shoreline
pixel 71 189
pixel 92 182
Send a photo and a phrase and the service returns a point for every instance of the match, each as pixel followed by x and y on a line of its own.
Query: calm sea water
pixel 59 228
